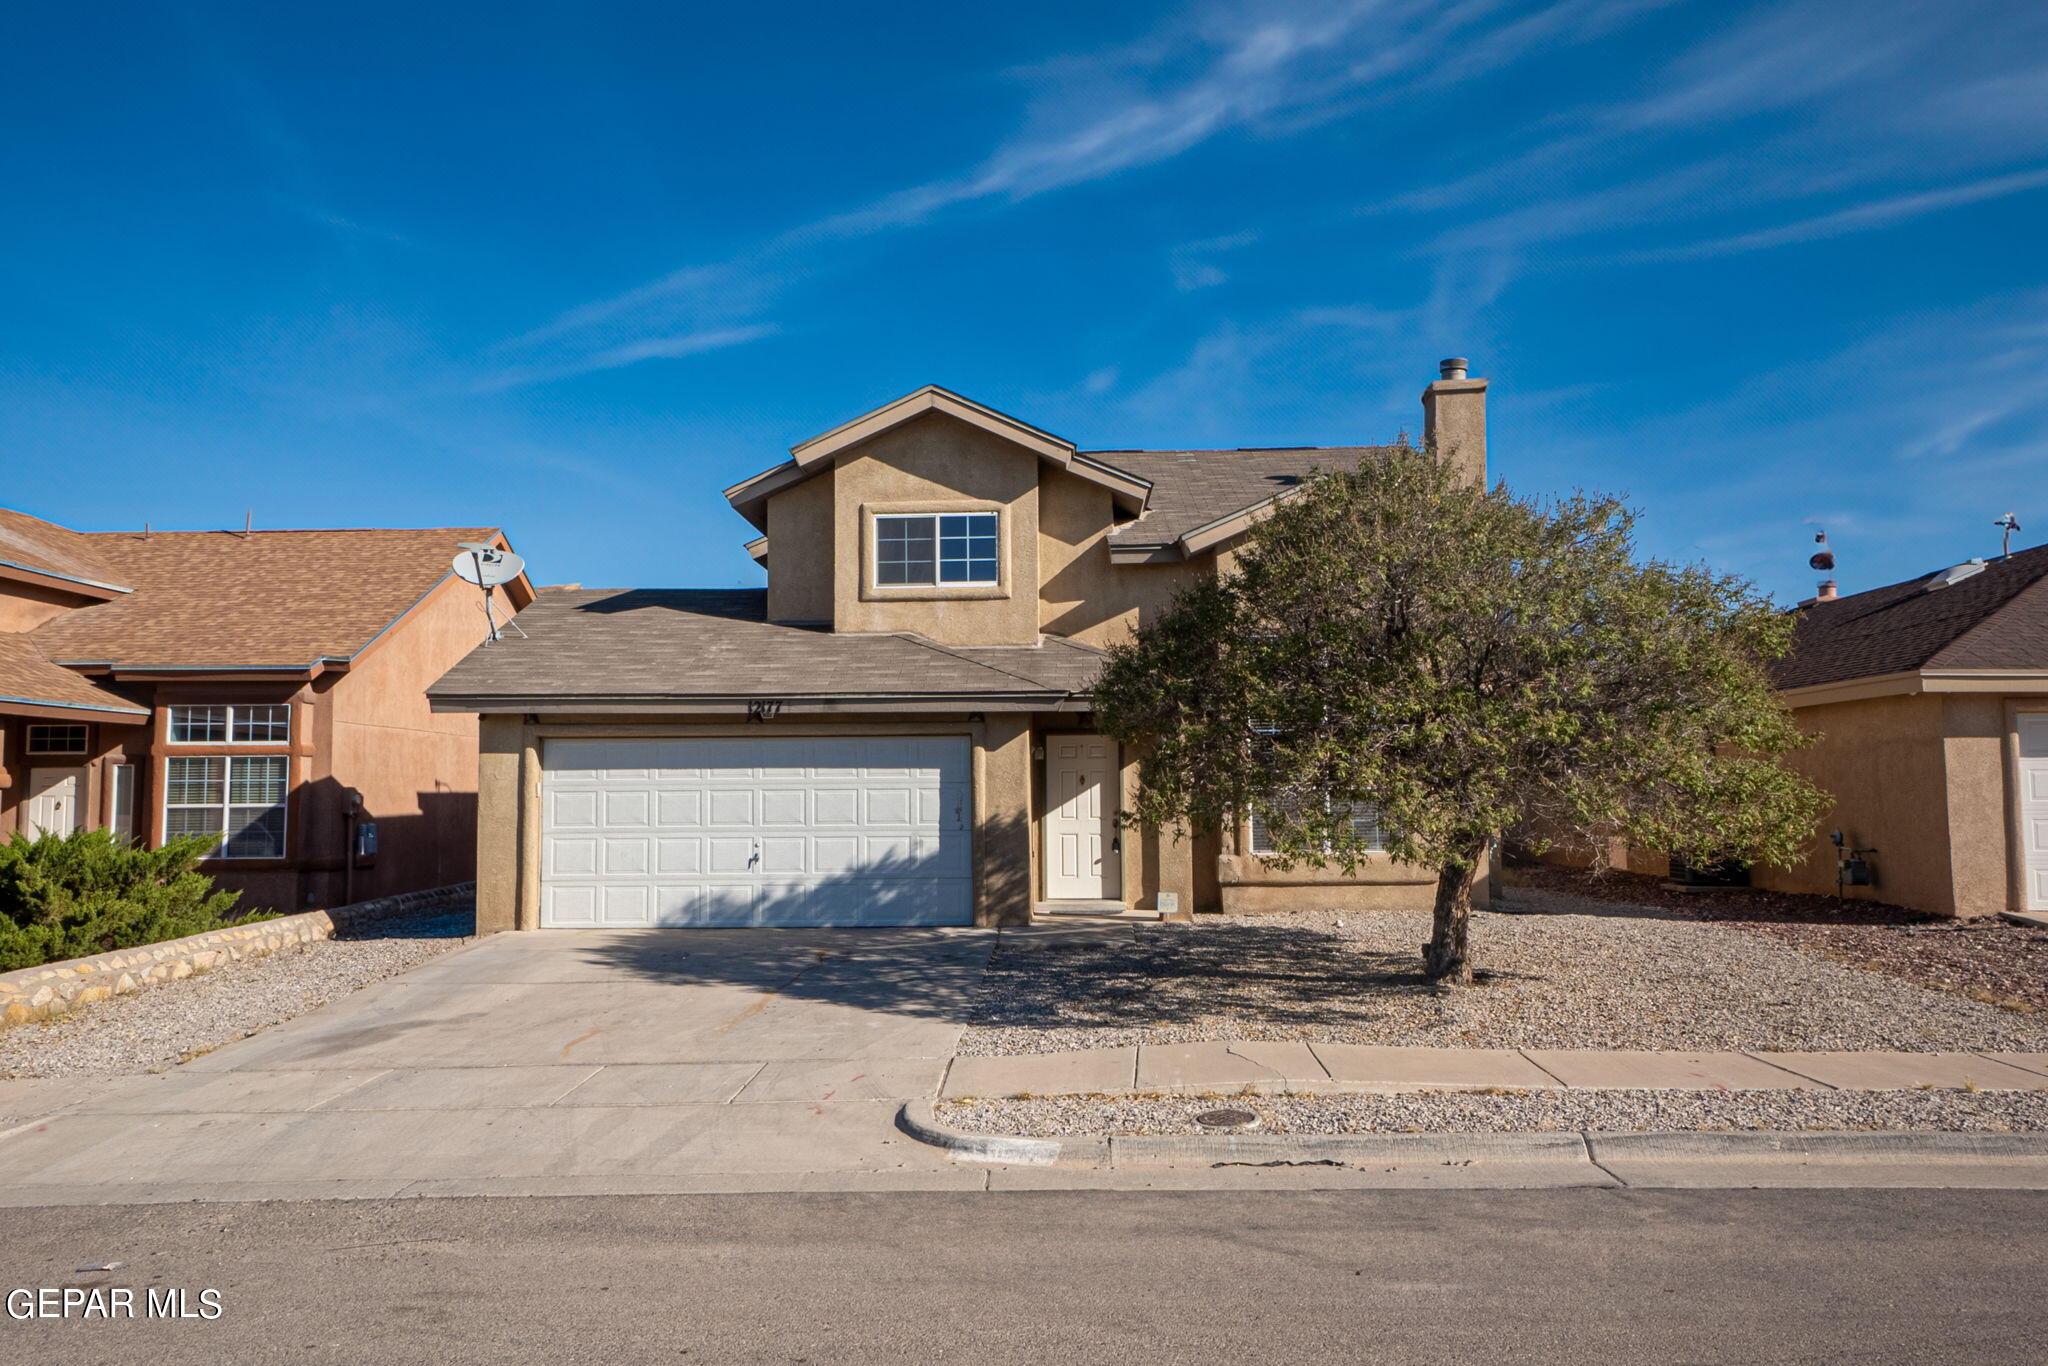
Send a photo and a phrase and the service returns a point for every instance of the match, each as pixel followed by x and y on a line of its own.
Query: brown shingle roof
pixel 279 599
pixel 32 543
pixel 678 644
pixel 27 677
pixel 1994 620
pixel 1191 489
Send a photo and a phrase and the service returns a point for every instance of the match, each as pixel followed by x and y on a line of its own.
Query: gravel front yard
pixel 1519 1112
pixel 1575 975
pixel 162 1026
pixel 1987 960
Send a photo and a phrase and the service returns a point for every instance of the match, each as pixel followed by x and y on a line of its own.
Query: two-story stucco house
pixel 895 730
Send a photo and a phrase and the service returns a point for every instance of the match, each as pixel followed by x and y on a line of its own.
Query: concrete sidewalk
pixel 1358 1068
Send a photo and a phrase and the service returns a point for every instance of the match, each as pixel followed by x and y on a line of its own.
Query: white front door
pixel 56 798
pixel 853 830
pixel 2034 809
pixel 1082 862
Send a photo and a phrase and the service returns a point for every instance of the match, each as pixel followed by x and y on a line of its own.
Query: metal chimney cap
pixel 1454 367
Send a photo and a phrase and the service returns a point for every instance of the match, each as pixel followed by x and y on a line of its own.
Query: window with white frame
pixel 1363 818
pixel 56 739
pixel 940 549
pixel 268 723
pixel 240 798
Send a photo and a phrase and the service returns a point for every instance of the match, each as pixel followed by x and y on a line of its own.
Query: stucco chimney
pixel 1827 591
pixel 1454 419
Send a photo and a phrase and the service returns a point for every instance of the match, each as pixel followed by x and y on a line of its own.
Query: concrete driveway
pixel 560 1062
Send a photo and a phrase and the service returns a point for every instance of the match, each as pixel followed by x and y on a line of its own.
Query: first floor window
pixel 238 798
pixel 123 777
pixel 933 549
pixel 1363 818
pixel 56 739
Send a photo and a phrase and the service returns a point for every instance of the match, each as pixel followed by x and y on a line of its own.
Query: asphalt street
pixel 1062 1276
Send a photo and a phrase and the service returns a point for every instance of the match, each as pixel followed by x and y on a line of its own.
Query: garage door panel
pixel 570 905
pixel 784 806
pixel 835 806
pixel 626 807
pixel 572 810
pixel 887 806
pixel 626 855
pixel 679 857
pixel 835 854
pixel 784 854
pixel 733 806
pixel 673 809
pixel 756 831
pixel 569 856
pixel 729 855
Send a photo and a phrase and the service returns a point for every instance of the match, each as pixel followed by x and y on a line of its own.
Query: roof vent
pixel 1953 575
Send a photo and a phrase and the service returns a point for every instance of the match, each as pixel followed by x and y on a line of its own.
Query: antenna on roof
pixel 248 523
pixel 2010 524
pixel 487 566
pixel 1822 561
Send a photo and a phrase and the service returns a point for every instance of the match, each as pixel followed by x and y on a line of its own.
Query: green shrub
pixel 66 896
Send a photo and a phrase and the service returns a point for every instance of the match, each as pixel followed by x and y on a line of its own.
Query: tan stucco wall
pixel 1883 760
pixel 416 769
pixel 1084 596
pixel 25 606
pixel 936 463
pixel 800 522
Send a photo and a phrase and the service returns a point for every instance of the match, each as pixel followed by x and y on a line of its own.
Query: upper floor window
pixel 268 723
pixel 930 549
pixel 56 739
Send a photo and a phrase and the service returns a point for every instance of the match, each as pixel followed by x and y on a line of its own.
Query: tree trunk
pixel 1447 957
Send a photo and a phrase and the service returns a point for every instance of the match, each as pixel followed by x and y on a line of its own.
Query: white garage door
pixel 868 830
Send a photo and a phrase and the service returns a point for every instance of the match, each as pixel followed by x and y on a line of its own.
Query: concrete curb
pixel 1350 1150
pixel 918 1119
pixel 1848 1146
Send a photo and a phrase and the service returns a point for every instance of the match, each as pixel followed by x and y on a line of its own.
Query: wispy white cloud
pixel 1270 70
pixel 1879 213
pixel 627 353
pixel 1192 263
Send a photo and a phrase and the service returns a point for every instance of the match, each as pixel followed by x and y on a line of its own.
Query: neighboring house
pixel 1932 700
pixel 896 729
pixel 266 687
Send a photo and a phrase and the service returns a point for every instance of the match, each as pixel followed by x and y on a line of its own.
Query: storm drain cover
pixel 1227 1119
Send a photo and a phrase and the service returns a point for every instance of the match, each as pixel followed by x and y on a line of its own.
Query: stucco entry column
pixel 499 815
pixel 1002 814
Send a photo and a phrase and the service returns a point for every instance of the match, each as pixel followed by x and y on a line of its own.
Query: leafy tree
pixel 1467 662
pixel 66 896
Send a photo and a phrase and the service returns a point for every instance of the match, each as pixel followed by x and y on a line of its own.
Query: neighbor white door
pixel 860 830
pixel 56 797
pixel 2034 808
pixel 1082 862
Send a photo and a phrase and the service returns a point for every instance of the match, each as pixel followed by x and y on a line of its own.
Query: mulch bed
pixel 1992 961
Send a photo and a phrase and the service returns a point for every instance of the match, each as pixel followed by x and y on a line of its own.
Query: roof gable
pixel 750 497
pixel 279 600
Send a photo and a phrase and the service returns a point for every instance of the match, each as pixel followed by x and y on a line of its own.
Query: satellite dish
pixel 487 566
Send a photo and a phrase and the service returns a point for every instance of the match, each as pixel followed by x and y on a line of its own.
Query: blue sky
pixel 573 269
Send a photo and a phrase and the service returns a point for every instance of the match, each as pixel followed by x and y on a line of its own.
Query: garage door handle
pixel 754 857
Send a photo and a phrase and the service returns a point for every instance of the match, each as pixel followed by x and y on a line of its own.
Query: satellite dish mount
pixel 487 566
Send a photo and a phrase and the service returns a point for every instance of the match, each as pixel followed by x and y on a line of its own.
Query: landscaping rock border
pixel 53 989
